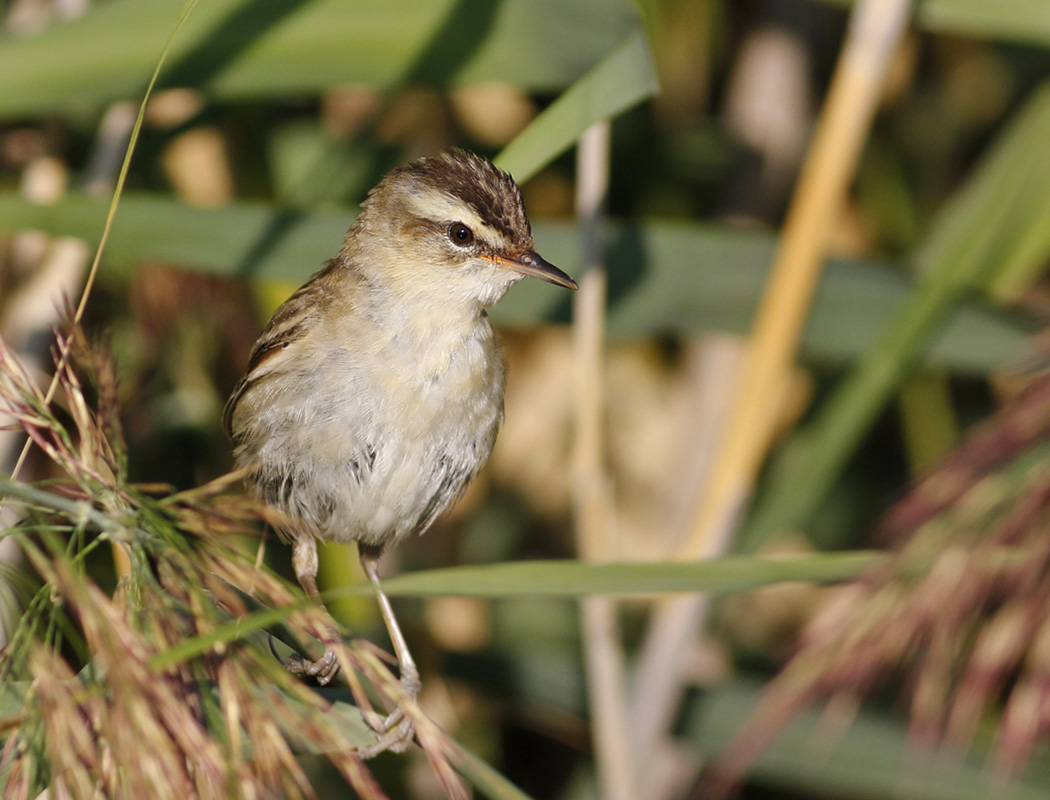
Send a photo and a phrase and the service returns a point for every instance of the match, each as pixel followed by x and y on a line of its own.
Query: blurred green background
pixel 272 119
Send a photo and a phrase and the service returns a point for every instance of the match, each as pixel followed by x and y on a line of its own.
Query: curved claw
pixel 396 737
pixel 323 669
pixel 396 730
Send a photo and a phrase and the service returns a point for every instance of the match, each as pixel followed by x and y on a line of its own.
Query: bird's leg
pixel 304 561
pixel 397 723
pixel 409 673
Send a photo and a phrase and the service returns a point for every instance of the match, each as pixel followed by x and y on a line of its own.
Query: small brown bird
pixel 374 394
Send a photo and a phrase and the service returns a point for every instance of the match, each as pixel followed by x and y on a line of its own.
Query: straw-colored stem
pixel 875 29
pixel 601 639
pixel 589 493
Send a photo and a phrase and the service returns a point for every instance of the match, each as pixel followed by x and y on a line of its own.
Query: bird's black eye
pixel 460 234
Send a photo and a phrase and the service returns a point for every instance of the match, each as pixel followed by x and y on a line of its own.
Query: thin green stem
pixel 118 191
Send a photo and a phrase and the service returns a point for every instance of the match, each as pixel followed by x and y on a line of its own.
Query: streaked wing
pixel 288 324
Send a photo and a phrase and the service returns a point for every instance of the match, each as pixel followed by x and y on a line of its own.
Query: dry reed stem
pixel 875 29
pixel 603 650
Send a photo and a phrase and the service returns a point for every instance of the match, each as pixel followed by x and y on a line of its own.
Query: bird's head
pixel 452 224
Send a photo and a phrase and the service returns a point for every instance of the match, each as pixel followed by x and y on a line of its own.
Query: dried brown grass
pixel 958 617
pixel 166 687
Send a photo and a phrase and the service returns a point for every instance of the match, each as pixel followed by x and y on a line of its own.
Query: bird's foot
pixel 397 729
pixel 323 668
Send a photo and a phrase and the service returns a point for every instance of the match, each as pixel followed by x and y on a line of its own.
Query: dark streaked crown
pixel 476 181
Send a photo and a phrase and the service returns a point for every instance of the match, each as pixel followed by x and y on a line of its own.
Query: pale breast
pixel 377 448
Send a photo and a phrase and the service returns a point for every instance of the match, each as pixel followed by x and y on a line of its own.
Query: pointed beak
pixel 532 265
